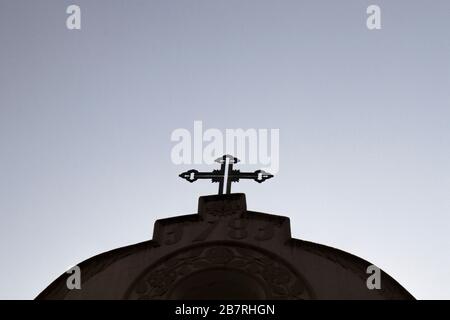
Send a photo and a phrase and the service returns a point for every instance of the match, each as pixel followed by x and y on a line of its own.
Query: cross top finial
pixel 226 174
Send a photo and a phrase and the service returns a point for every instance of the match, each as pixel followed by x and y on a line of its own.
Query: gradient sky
pixel 86 118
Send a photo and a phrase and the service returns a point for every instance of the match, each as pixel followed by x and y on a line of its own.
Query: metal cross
pixel 226 174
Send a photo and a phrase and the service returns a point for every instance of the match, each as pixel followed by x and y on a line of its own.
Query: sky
pixel 86 118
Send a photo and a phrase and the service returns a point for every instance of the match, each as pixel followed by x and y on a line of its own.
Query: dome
pixel 225 252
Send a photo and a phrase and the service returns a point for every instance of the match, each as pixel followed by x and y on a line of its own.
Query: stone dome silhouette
pixel 225 252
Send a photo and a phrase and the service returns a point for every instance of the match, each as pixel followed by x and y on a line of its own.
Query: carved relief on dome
pixel 178 275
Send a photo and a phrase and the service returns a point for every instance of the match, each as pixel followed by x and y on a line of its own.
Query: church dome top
pixel 225 251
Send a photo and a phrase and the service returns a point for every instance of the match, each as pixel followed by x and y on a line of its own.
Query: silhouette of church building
pixel 225 252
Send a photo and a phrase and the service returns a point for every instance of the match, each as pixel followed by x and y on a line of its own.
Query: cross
pixel 226 174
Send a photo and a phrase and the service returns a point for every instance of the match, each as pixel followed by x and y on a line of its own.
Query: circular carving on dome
pixel 220 270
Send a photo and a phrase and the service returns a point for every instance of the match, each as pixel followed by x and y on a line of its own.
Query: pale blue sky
pixel 86 118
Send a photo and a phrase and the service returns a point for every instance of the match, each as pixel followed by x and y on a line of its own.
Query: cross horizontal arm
pixel 193 175
pixel 226 175
pixel 259 175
